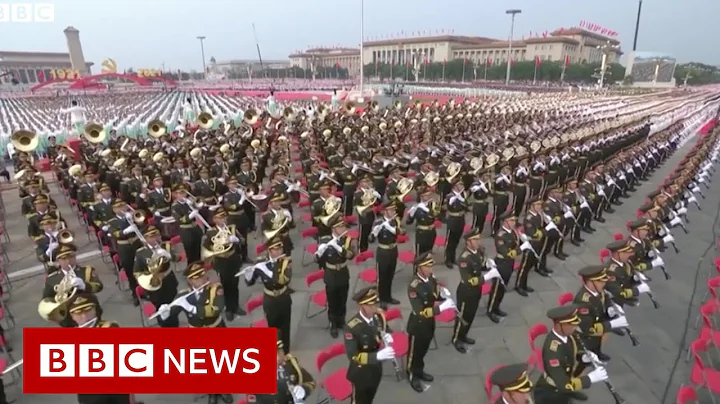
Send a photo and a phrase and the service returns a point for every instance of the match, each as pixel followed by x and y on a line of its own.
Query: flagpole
pixel 362 52
pixel 443 73
pixel 463 72
pixel 485 76
pixel 535 73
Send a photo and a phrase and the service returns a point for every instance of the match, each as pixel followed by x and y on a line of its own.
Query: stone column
pixel 77 58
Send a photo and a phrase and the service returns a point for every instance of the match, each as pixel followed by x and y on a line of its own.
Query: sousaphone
pixel 157 128
pixel 350 108
pixel 205 120
pixel 24 140
pixel 251 117
pixel 95 133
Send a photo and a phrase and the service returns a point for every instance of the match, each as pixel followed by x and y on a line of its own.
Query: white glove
pixel 221 180
pixel 389 227
pixel 491 274
pixel 612 311
pixel 287 214
pixel 682 211
pixel 601 192
pixel 52 246
pixel 676 221
pixel 142 196
pixel 526 246
pixel 249 274
pixel 130 229
pixel 619 322
pixel 568 215
pixel 388 339
pixel 158 214
pixel 585 205
pixel 234 239
pixel 448 304
pixel 298 392
pixel 165 253
pixel 550 226
pixel 668 239
pixel 590 357
pixel 658 262
pixel 640 277
pixel 386 353
pixel 334 244
pixel 692 199
pixel 78 283
pixel 164 311
pixel 105 228
pixel 524 237
pixel 264 269
pixel 185 305
pixel 194 214
pixel 643 288
pixel 598 375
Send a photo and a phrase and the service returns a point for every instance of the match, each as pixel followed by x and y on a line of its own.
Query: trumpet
pixel 177 301
pixel 295 187
pixel 193 203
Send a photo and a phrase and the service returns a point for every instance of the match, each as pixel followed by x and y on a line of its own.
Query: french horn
pixel 331 207
pixel 55 308
pixel 491 160
pixel 367 201
pixel 152 280
pixel 404 187
pixel 431 178
pixel 277 225
pixel 205 120
pixel 157 128
pixel 508 153
pixel 453 169
pixel 95 133
pixel 476 163
pixel 24 140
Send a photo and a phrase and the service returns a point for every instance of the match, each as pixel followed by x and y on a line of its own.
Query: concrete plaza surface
pixel 641 374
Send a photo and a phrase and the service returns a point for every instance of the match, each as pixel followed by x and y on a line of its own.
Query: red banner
pixel 149 360
pixel 591 26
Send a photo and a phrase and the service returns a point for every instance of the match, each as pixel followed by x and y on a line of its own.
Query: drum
pixel 295 197
pixel 169 228
pixel 261 202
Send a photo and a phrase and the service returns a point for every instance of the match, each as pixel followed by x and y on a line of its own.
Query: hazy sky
pixel 148 33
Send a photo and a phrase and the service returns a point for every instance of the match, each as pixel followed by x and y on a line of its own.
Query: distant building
pixel 241 65
pixel 574 44
pixel 25 67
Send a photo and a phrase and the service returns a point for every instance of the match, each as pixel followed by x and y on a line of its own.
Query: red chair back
pixel 618 236
pixel 254 303
pixel 565 298
pixel 393 314
pixel 327 354
pixel 139 291
pixel 686 395
pixel 488 381
pixel 363 256
pixel 713 284
pixel 309 232
pixel 313 277
pixel 717 262
pixel 707 311
pixel 536 331
pixel 697 347
pixel 604 254
pixel 627 224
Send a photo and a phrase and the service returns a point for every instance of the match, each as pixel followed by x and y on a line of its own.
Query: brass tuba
pixel 277 225
pixel 55 308
pixel 367 200
pixel 95 133
pixel 25 140
pixel 453 169
pixel 288 113
pixel 404 187
pixel 205 120
pixel 331 207
pixel 374 106
pixel 350 108
pixel 152 280
pixel 157 128
pixel 251 117
pixel 65 236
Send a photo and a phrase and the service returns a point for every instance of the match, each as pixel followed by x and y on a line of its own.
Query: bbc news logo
pixel 27 12
pixel 156 360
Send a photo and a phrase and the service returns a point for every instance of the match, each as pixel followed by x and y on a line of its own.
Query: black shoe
pixel 229 316
pixel 588 230
pixel 416 384
pixel 542 273
pixel 494 318
pixel 529 289
pixel 603 357
pixel 500 313
pixel 548 270
pixel 460 347
pixel 394 301
pixel 610 210
pixel 576 243
pixel 561 257
pixel 426 377
pixel 617 203
pixel 240 312
pixel 468 341
pixel 383 305
pixel 578 396
pixel 136 301
pixel 580 239
pixel 334 332
pixel 521 291
pixel 449 265
pixel 618 331
pixel 600 220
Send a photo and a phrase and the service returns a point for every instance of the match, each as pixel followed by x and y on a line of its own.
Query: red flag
pixel 512 61
pixel 427 62
pixel 337 65
pixel 537 61
pixel 488 61
pixel 40 75
pixel 567 61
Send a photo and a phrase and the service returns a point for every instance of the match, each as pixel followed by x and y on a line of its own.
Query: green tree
pixel 696 74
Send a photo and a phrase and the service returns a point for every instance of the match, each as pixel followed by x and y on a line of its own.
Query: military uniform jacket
pixel 588 189
pixel 346 177
pixel 180 176
pixel 159 200
pixel 385 236
pixel 34 228
pixel 219 169
pixel 277 285
pixel 168 290
pixel 640 259
pixel 621 284
pixel 507 243
pixel 137 185
pixel 248 179
pixel 554 209
pixel 116 226
pixel 455 206
pixel 206 189
pixel 535 229
pixel 291 373
pixel 571 199
pixel 425 219
pixel 592 310
pixel 93 284
pixel 501 186
pixel 209 303
pixel 363 340
pixel 332 259
pixel 102 212
pixel 42 242
pixel 391 191
pixel 231 203
pixel 560 361
pixel 480 195
pixel 472 266
pixel 368 215
pixel 423 295
pixel 181 213
pixel 86 194
pixel 28 204
pixel 313 184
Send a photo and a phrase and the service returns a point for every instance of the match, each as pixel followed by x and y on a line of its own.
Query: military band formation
pixel 533 173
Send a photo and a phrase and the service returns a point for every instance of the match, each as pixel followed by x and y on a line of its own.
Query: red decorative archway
pixel 92 81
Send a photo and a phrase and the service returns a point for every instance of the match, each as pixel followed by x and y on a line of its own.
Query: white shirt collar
pixel 595 294
pixel 367 320
pixel 423 279
pixel 562 338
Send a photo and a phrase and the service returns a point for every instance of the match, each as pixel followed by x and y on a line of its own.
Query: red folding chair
pixel 310 248
pixel 687 395
pixel 702 376
pixel 604 255
pixel 401 341
pixel 618 236
pixel 535 359
pixel 565 298
pixel 147 309
pixel 319 298
pixel 489 385
pixel 335 385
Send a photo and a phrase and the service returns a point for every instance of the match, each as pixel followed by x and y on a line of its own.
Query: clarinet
pixel 596 364
pixel 396 364
pixel 650 295
pixel 627 329
pixel 283 376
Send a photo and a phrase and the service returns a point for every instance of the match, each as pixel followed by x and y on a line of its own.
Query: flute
pixel 597 364
pixel 252 267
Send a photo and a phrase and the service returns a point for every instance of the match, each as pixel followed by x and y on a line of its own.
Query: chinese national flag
pixel 537 61
pixel 426 61
pixel 41 75
pixel 567 61
pixel 488 62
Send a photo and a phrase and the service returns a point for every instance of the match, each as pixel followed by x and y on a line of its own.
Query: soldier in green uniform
pixel 318 207
pixel 564 361
pixel 454 208
pixel 514 384
pixel 534 224
pixel 365 334
pixel 423 293
pixel 101 211
pixel 640 241
pixel 185 213
pixel 334 252
pixel 294 382
pixel 204 302
pixel 386 230
pixel 554 208
pixel 622 285
pixel 474 271
pixel 166 291
pixel 226 264
pixel 507 244
pixel 594 309
pixel 365 209
pixel 424 215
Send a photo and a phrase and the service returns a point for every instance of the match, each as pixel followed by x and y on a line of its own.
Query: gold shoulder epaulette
pixel 586 297
pixel 414 283
pixel 464 254
pixel 353 323
pixel 554 344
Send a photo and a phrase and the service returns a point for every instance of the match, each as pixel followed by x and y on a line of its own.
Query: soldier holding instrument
pixel 507 244
pixel 204 301
pixel 153 273
pixel 295 383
